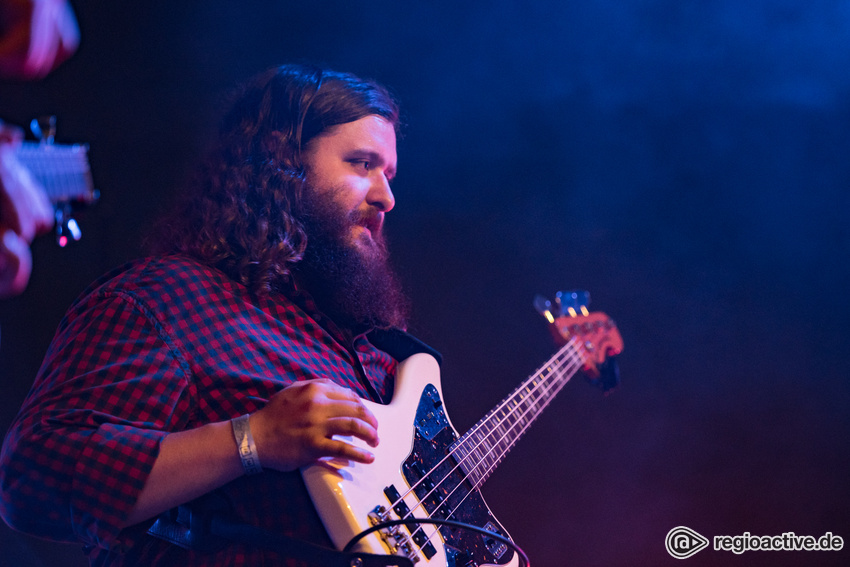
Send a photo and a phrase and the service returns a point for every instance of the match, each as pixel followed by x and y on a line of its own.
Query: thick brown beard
pixel 356 288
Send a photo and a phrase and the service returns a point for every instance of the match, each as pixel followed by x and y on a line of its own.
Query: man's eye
pixel 361 164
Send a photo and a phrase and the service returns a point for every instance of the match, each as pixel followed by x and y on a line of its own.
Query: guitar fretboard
pixel 485 445
pixel 63 170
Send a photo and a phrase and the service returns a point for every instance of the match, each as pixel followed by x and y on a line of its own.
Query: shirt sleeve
pixel 77 456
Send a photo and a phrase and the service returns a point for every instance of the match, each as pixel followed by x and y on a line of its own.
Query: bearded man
pixel 239 352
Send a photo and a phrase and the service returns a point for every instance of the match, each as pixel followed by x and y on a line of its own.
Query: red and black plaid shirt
pixel 165 345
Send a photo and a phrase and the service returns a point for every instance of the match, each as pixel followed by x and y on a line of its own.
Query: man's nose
pixel 380 195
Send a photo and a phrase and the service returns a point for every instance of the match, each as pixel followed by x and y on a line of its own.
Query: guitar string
pixel 557 372
pixel 527 424
pixel 570 353
pixel 518 392
pixel 539 373
pixel 61 169
pixel 563 377
pixel 547 396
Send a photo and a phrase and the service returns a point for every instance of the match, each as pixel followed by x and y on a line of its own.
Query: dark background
pixel 686 161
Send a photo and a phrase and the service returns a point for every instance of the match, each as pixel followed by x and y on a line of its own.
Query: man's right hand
pixel 295 428
pixel 299 425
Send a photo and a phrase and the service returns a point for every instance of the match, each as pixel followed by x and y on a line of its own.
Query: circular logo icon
pixel 682 542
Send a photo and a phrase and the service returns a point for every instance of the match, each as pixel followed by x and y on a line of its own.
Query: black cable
pixel 451 523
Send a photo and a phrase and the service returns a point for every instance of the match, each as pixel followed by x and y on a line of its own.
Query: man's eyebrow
pixel 374 156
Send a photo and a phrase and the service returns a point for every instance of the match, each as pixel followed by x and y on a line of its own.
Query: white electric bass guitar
pixel 424 469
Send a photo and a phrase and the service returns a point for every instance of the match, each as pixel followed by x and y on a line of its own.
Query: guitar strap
pixel 400 344
pixel 205 524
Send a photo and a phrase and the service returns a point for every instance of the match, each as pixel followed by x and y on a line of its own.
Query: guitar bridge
pixel 396 541
pixel 402 511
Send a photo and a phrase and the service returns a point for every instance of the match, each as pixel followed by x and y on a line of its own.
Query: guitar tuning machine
pixel 573 302
pixel 67 229
pixel 567 303
pixel 44 128
pixel 64 172
pixel 604 372
pixel 544 307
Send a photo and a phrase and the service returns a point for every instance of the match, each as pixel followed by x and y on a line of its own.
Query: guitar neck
pixel 63 170
pixel 480 449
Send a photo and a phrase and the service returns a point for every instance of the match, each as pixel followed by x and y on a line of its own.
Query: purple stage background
pixel 687 162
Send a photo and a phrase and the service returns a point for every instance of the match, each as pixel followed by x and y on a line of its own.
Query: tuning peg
pixel 67 228
pixel 44 128
pixel 573 302
pixel 544 307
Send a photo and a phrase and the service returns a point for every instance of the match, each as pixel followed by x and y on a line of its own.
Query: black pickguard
pixel 454 497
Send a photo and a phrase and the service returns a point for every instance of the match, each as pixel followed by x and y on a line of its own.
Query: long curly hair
pixel 241 211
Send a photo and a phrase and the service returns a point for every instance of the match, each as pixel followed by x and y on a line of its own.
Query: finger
pixel 352 404
pixel 69 31
pixel 15 265
pixel 44 40
pixel 352 409
pixel 351 426
pixel 337 449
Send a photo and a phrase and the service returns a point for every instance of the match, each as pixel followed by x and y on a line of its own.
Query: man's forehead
pixel 371 130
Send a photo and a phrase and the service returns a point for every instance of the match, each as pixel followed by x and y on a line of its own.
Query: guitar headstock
pixel 596 334
pixel 63 171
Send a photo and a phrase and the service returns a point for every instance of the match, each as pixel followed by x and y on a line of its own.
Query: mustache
pixel 372 219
